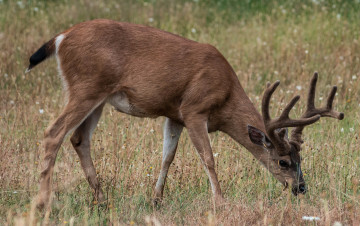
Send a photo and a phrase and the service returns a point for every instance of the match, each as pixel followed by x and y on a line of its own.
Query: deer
pixel 146 72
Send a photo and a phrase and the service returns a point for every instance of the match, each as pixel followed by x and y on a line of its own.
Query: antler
pixel 311 110
pixel 272 125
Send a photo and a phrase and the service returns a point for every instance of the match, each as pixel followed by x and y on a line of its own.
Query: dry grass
pixel 279 40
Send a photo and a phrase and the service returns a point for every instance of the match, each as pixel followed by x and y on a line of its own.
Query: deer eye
pixel 283 163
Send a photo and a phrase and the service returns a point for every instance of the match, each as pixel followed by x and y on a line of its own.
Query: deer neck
pixel 239 113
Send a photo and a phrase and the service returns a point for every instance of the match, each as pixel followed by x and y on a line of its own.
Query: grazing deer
pixel 146 72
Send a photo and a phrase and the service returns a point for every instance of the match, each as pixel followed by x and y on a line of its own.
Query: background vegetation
pixel 263 40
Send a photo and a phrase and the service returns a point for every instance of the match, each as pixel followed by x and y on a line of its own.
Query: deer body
pixel 146 72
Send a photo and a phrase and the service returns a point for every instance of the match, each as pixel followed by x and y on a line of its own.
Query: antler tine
pixel 284 120
pixel 311 95
pixel 329 105
pixel 280 123
pixel 287 109
pixel 326 111
pixel 312 111
pixel 270 89
pixel 331 97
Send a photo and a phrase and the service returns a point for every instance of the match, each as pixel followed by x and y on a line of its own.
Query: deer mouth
pixel 286 185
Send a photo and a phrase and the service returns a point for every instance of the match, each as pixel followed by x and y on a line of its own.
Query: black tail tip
pixel 40 55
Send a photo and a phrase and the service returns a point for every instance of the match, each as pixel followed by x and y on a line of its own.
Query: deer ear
pixel 282 133
pixel 258 137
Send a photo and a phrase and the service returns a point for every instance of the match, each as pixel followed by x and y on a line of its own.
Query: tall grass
pixel 262 40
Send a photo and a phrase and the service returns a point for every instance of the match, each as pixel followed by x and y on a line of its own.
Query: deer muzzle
pixel 299 189
pixel 299 186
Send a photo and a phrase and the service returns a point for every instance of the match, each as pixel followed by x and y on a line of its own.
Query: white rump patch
pixel 58 41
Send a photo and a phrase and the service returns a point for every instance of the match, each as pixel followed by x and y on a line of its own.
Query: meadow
pixel 262 40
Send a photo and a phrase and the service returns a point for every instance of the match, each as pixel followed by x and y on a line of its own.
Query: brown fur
pixel 161 74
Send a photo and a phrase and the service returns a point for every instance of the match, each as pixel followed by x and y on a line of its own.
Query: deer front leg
pixel 74 113
pixel 198 132
pixel 172 132
pixel 81 142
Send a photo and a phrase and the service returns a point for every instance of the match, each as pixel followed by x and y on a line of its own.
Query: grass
pixel 262 40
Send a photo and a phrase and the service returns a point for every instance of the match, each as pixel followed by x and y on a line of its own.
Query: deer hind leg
pixel 198 132
pixel 73 115
pixel 172 132
pixel 81 142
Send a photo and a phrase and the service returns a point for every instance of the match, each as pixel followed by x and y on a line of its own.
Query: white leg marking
pixel 172 132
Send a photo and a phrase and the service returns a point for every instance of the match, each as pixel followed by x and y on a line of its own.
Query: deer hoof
pixel 40 204
pixel 157 202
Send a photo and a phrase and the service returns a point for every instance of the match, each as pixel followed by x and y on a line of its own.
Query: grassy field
pixel 262 40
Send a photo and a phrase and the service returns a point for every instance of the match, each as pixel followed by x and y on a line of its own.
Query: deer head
pixel 284 153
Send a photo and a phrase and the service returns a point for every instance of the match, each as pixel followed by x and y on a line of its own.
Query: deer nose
pixel 302 188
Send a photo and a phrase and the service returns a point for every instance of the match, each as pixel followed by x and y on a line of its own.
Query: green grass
pixel 262 40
